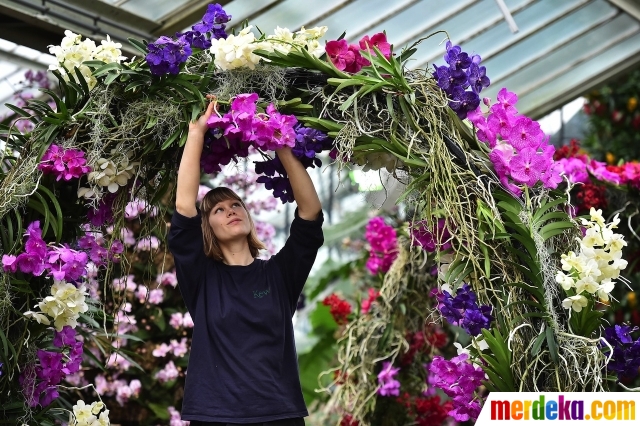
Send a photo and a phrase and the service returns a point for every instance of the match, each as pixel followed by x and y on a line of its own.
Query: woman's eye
pixel 236 204
pixel 218 209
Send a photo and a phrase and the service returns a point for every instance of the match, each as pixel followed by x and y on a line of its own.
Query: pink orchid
pixel 379 41
pixel 339 53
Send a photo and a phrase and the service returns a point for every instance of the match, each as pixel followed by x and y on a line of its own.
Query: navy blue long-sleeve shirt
pixel 243 365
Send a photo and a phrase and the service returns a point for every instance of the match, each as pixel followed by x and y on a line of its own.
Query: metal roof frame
pixel 556 29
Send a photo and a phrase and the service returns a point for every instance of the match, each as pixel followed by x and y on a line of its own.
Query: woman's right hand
pixel 200 126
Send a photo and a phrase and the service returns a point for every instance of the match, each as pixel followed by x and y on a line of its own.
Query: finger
pixel 210 108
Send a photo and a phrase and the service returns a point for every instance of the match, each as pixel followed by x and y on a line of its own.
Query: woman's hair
pixel 211 245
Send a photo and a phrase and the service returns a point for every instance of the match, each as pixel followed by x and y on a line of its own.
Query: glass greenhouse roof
pixel 561 48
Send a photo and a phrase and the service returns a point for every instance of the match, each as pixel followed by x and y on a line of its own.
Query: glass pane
pixel 356 17
pixel 547 39
pixel 460 27
pixel 616 52
pixel 566 58
pixel 155 11
pixel 402 27
pixel 529 20
pixel 293 14
pixel 242 9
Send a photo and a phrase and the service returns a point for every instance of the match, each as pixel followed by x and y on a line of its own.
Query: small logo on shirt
pixel 259 294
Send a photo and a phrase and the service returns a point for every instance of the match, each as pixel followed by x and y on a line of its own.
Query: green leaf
pixel 497 380
pixel 537 344
pixel 321 124
pixel 541 211
pixel 139 45
pixel 160 410
pixel 321 319
pixel 553 345
pixel 110 78
pixel 22 113
pixel 59 219
pixel 61 108
pixel 106 68
pixel 406 54
pixel 554 228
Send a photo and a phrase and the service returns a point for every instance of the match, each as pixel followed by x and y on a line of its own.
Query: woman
pixel 242 364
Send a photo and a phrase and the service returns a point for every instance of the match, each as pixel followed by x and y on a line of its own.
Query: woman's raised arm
pixel 304 192
pixel 189 171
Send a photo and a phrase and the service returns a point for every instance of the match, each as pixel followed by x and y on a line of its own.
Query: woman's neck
pixel 236 253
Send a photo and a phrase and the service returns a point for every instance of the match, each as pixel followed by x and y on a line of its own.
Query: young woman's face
pixel 229 221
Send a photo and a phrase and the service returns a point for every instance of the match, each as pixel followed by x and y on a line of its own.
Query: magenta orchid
pixel 383 241
pixel 521 154
pixel 65 164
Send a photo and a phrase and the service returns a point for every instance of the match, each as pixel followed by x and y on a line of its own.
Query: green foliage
pixel 614 119
pixel 498 363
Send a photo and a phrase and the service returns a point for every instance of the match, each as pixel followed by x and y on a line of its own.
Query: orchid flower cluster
pixel 463 309
pixel 592 175
pixel 520 152
pixel 63 307
pixel 590 273
pixel 95 414
pixel 308 143
pixel 166 55
pixel 65 164
pixel 387 384
pixel 211 27
pixel 463 71
pixel 577 166
pixel 438 239
pixel 110 173
pixel 625 359
pixel 348 57
pixel 73 51
pixel 384 245
pixel 459 379
pixel 243 127
pixel 39 381
pixel 60 262
pixel 269 130
pixel 237 51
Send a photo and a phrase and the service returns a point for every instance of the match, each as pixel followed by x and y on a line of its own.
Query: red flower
pixel 340 377
pixel 347 420
pixel 436 338
pixel 591 195
pixel 429 412
pixel 567 151
pixel 366 304
pixel 340 309
pixel 617 116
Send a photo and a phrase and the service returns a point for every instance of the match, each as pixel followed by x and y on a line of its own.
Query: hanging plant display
pixel 526 281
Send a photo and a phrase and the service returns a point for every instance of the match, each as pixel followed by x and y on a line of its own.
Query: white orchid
pixel 576 302
pixel 73 51
pixel 111 173
pixel 95 414
pixel 236 51
pixel 592 270
pixel 64 306
pixel 566 281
